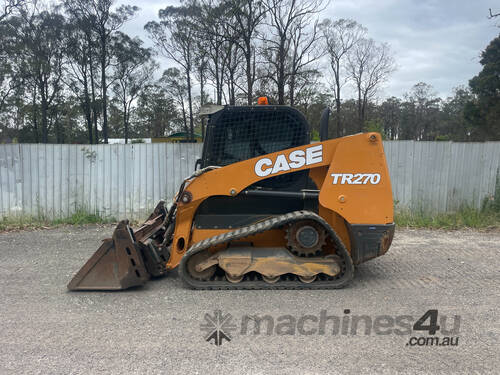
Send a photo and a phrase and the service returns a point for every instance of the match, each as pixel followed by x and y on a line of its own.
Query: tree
pixel 210 39
pixel 484 111
pixel 340 37
pixel 7 7
pixel 232 76
pixel 201 64
pixel 248 16
pixel 288 46
pixel 156 114
pixel 83 58
pixel 104 24
pixel 454 123
pixel 175 37
pixel 370 64
pixel 389 113
pixel 312 98
pixel 172 83
pixel 350 116
pixel 79 69
pixel 215 40
pixel 40 51
pixel 11 70
pixel 422 113
pixel 63 74
pixel 304 52
pixel 132 69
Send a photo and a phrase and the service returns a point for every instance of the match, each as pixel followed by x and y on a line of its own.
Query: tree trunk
pixel 190 104
pixel 339 130
pixel 250 70
pixel 292 90
pixel 232 93
pixel 184 116
pixel 218 79
pixel 231 86
pixel 202 100
pixel 363 112
pixel 59 133
pixel 248 57
pixel 360 110
pixel 86 107
pixel 35 115
pixel 125 122
pixel 44 105
pixel 104 87
pixel 281 74
pixel 92 88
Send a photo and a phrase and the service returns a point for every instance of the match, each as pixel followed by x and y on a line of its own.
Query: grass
pixel 464 218
pixel 79 217
pixel 488 217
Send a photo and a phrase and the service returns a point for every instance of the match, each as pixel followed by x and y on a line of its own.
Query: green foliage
pixel 157 114
pixel 488 217
pixel 56 64
pixel 444 137
pixel 375 126
pixel 80 217
pixel 492 204
pixel 463 218
pixel 484 110
pixel 314 135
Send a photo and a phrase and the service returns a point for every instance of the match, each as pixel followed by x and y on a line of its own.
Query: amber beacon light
pixel 262 100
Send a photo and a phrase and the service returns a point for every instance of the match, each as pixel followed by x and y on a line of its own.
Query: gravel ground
pixel 156 328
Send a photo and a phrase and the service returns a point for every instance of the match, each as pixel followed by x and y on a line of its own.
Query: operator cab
pixel 240 133
pixel 237 133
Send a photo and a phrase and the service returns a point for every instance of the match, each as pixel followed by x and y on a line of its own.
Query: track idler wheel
pixel 195 272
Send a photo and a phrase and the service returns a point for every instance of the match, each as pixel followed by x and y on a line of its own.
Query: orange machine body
pixel 350 172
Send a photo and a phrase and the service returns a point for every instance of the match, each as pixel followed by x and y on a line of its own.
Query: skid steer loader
pixel 265 208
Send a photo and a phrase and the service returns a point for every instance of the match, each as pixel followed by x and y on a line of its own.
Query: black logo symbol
pixel 218 327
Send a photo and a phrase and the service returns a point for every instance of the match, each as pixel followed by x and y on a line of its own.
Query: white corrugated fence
pixel 114 180
pixel 442 176
pixel 127 180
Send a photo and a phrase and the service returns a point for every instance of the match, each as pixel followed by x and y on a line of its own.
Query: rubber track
pixel 286 281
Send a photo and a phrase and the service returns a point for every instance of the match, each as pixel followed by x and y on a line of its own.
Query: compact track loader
pixel 265 208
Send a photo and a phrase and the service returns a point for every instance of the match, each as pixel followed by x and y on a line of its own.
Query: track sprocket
pixel 305 238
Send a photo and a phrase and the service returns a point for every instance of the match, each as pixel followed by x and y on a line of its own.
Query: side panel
pixel 357 184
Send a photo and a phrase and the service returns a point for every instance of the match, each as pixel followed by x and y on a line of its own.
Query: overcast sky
pixel 437 42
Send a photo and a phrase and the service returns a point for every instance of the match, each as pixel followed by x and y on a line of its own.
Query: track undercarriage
pixel 241 266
